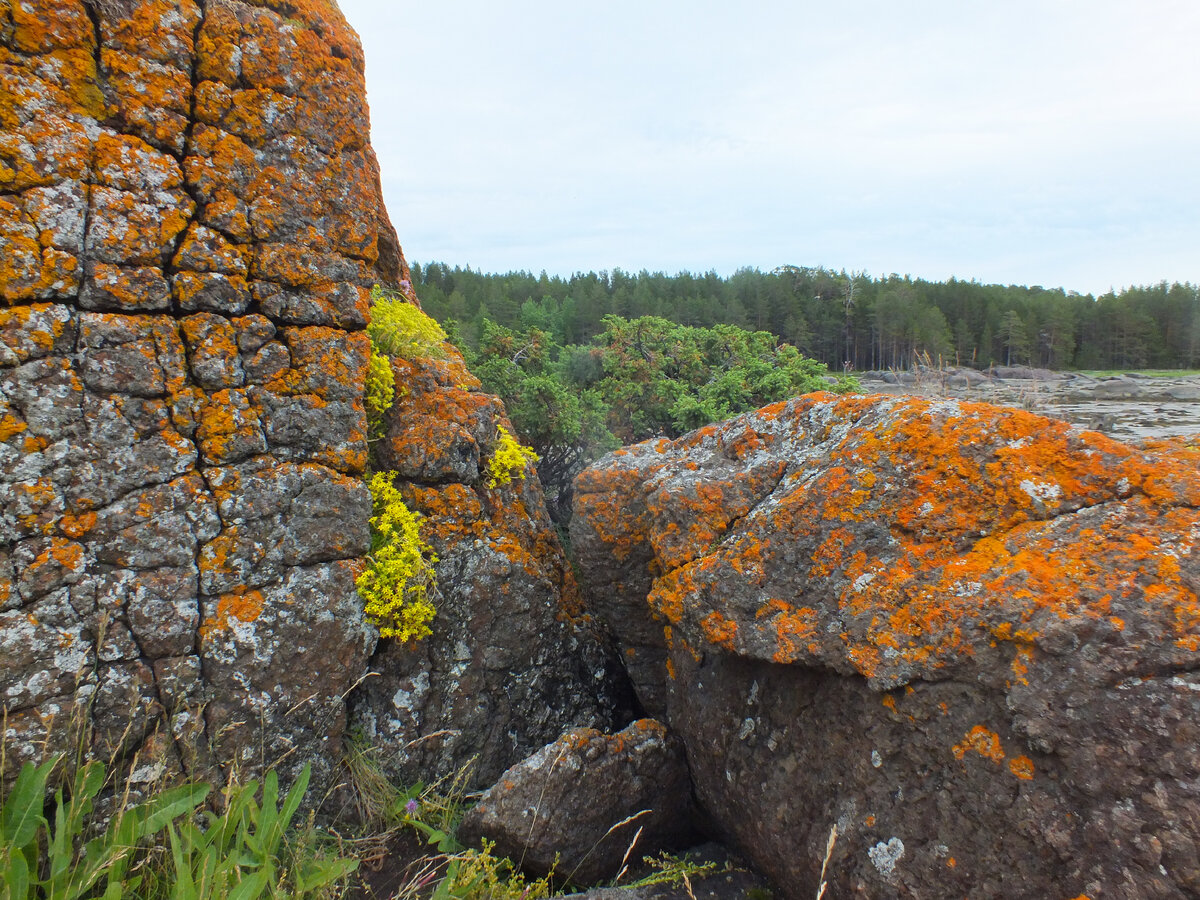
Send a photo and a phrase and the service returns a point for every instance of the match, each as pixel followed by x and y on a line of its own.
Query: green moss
pixel 508 460
pixel 399 577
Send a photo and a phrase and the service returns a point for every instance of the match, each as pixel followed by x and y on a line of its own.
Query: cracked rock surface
pixel 967 635
pixel 191 222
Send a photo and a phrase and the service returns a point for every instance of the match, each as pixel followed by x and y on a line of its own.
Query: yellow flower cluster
pixel 400 329
pixel 396 584
pixel 380 389
pixel 509 459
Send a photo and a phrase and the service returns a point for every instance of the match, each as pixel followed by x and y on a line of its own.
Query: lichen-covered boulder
pixel 589 804
pixel 967 635
pixel 513 660
pixel 191 222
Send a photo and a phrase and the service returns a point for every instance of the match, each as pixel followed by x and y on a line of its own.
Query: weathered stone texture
pixel 967 635
pixel 190 223
pixel 512 661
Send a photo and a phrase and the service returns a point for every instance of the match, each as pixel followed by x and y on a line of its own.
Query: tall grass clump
pixel 167 846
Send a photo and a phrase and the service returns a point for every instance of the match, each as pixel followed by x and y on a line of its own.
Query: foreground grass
pixel 244 841
pixel 171 845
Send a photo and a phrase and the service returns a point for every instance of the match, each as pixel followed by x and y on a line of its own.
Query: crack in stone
pixel 170 270
pixel 198 638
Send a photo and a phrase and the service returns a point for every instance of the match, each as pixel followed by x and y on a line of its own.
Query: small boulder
pixel 590 801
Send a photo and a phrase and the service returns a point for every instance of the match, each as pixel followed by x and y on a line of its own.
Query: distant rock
pixel 1027 373
pixel 1120 388
pixel 967 635
pixel 589 803
pixel 1185 392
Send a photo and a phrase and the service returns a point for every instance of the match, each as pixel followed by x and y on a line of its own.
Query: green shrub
pixel 399 576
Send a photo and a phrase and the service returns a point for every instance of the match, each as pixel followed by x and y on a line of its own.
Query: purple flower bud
pixel 411 807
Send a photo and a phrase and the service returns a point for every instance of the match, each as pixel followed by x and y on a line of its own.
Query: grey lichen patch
pixel 884 856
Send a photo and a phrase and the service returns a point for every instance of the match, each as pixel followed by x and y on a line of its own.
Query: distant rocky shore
pixel 1129 406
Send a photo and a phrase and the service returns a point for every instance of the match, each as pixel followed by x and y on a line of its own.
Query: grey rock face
pixel 182 297
pixel 512 661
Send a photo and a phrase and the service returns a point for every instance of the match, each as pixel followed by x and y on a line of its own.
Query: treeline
pixel 844 320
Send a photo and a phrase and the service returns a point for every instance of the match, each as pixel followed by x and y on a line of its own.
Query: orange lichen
pixel 980 740
pixel 719 630
pixel 1021 767
pixel 241 605
pixel 828 556
pixel 795 629
pixel 10 425
pixel 228 422
pixel 60 555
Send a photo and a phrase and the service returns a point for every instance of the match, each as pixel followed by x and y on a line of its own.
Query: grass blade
pixel 22 812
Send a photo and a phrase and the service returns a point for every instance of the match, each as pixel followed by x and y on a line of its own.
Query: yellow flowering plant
pixel 396 584
pixel 398 328
pixel 508 460
pixel 380 390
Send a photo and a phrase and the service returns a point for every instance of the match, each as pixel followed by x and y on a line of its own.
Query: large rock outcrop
pixel 512 660
pixel 191 222
pixel 967 635
pixel 192 225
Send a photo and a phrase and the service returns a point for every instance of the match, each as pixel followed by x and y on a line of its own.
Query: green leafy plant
pixel 246 852
pixel 399 576
pixel 239 854
pixel 481 875
pixel 667 868
pixel 48 858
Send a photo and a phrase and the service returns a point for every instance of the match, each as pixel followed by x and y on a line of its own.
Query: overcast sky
pixel 1053 143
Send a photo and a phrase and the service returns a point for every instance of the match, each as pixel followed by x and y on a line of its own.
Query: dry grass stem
pixel 833 833
pixel 628 850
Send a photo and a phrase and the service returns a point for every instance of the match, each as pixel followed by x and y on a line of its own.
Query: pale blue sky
pixel 1052 143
